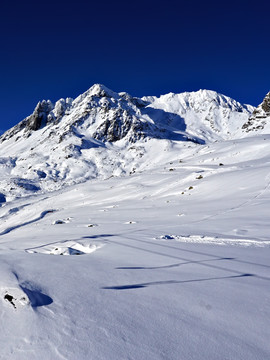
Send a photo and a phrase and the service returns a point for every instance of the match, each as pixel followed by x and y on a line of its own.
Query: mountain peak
pixel 99 91
pixel 266 104
pixel 260 116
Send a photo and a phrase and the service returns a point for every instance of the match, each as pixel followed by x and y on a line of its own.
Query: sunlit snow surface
pixel 168 263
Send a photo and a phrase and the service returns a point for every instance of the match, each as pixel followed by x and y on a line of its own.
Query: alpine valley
pixel 164 200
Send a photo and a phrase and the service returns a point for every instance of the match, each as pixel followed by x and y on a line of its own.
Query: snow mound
pixel 67 248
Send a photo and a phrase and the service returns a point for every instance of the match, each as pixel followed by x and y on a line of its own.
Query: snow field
pixel 153 283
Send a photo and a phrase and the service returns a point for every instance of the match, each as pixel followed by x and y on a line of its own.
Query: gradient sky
pixel 57 49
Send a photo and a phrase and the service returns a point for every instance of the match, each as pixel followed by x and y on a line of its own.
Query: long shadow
pixel 185 259
pixel 167 266
pixel 169 255
pixel 166 125
pixel 192 251
pixel 37 298
pixel 165 118
pixel 215 257
pixel 170 126
pixel 169 282
pixel 97 236
pixel 41 216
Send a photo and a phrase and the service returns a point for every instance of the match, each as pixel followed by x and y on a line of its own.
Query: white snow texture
pixel 164 201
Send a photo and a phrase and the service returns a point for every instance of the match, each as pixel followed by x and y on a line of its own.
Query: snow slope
pixel 207 114
pixel 172 251
pixel 171 263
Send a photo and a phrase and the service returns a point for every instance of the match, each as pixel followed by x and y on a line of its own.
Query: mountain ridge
pixel 102 133
pixel 46 112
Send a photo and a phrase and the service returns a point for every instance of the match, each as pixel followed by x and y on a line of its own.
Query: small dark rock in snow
pixel 10 299
pixel 58 222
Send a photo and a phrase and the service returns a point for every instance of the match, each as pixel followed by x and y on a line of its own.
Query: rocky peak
pixel 266 104
pixel 44 113
pixel 258 119
pixel 96 91
pixel 39 116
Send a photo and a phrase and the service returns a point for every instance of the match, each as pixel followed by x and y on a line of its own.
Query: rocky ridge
pixel 102 133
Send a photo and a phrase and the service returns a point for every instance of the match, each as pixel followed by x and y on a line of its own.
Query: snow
pixel 163 253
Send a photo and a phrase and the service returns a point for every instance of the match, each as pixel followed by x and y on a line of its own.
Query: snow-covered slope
pixel 207 114
pixel 102 134
pixel 167 212
pixel 171 263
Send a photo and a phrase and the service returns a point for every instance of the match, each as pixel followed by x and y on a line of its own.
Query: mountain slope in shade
pixel 207 114
pixel 102 133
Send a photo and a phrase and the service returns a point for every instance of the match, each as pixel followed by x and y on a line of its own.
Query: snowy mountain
pixel 167 212
pixel 208 115
pixel 102 133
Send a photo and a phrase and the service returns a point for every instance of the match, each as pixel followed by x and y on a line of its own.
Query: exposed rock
pixel 39 116
pixel 258 118
pixel 45 113
pixel 266 104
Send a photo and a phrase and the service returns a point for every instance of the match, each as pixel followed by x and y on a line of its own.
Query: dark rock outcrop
pixel 39 116
pixel 258 118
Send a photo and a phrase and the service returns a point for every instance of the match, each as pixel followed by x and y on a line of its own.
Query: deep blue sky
pixel 57 49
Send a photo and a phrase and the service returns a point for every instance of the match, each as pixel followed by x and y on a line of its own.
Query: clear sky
pixel 53 49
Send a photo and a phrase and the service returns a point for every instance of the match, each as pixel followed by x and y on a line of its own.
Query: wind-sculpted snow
pixel 67 248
